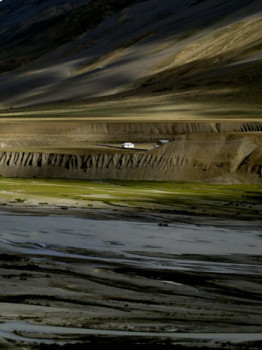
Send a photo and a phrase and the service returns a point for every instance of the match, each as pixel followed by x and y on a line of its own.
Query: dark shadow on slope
pixel 26 42
pixel 29 40
pixel 208 76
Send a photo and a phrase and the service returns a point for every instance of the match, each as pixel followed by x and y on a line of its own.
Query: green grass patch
pixel 195 198
pixel 20 200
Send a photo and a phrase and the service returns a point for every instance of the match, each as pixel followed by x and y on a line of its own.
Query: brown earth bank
pixel 216 157
pixel 16 132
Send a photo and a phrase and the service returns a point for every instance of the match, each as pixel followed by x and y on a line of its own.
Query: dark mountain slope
pixel 31 29
pixel 176 52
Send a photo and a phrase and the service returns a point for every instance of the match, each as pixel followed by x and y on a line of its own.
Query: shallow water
pixel 11 330
pixel 185 282
pixel 143 243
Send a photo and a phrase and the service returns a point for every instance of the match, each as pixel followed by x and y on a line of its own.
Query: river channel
pixel 118 276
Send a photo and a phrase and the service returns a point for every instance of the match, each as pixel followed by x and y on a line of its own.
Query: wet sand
pixel 68 279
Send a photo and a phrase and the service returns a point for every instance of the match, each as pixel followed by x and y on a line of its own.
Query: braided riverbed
pixel 67 278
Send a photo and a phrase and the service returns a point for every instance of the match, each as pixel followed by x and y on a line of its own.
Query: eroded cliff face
pixel 212 157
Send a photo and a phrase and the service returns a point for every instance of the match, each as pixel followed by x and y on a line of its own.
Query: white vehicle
pixel 162 142
pixel 128 145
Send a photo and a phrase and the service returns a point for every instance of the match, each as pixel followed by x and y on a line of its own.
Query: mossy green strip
pixel 195 198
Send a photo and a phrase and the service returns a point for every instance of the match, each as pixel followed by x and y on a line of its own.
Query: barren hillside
pixel 173 52
pixel 78 78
